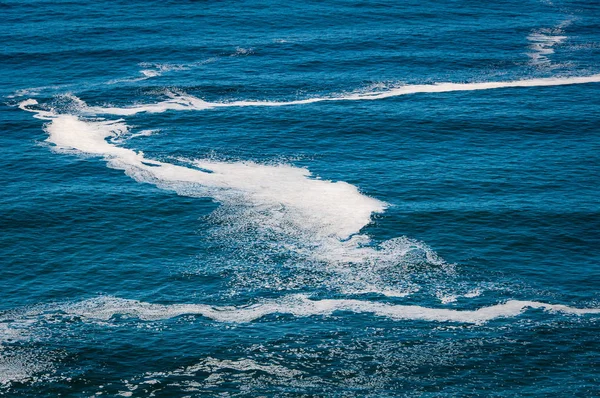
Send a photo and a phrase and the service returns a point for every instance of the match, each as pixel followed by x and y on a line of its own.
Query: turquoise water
pixel 316 199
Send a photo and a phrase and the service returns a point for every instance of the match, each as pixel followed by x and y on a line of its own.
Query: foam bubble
pixel 25 365
pixel 34 91
pixel 321 218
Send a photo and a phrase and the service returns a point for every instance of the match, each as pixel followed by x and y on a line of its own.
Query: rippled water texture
pixel 312 199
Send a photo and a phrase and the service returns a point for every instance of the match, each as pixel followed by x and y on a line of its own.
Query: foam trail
pixel 175 103
pixel 543 42
pixel 184 102
pixel 104 308
pixel 324 208
pixel 271 209
pixel 154 70
pixel 542 46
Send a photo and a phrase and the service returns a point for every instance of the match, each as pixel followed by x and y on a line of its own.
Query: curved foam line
pixel 322 207
pixel 105 308
pixel 183 102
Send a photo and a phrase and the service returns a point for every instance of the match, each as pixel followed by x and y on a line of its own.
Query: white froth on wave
pixel 324 207
pixel 213 365
pixel 446 298
pixel 154 70
pixel 211 371
pixel 317 220
pixel 157 69
pixel 19 367
pixel 543 41
pixel 319 213
pixel 31 91
pixel 104 308
pixel 175 102
pixel 150 72
pixel 143 133
pixel 240 51
pixel 185 102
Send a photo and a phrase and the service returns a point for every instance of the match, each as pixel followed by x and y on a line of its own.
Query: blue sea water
pixel 365 198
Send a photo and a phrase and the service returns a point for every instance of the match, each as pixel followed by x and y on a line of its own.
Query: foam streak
pixel 320 207
pixel 184 102
pixel 299 306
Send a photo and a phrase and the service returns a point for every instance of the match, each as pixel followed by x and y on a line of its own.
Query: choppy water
pixel 312 199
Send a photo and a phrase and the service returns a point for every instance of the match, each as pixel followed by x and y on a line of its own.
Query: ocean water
pixel 341 199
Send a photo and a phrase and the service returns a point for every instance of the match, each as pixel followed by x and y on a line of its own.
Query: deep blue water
pixel 256 199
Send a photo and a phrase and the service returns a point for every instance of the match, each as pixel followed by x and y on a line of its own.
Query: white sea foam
pixel 213 365
pixel 316 218
pixel 157 69
pixel 240 51
pixel 323 216
pixel 27 366
pixel 29 91
pixel 446 298
pixel 144 133
pixel 150 72
pixel 209 372
pixel 323 207
pixel 175 102
pixel 130 79
pixel 20 366
pixel 314 222
pixel 542 45
pixel 126 136
pixel 104 308
pixel 543 41
pixel 18 363
pixel 185 102
pixel 154 70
